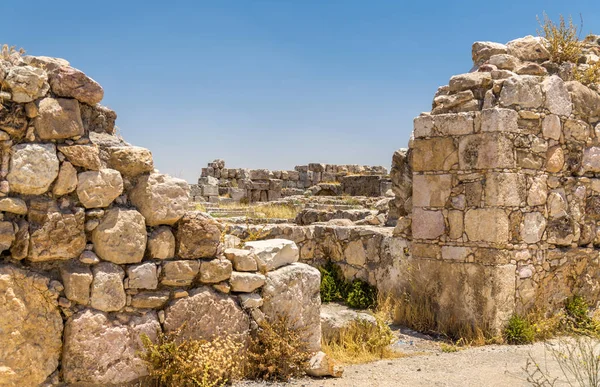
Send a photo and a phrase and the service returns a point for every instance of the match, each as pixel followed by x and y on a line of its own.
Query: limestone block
pixel 33 167
pixel 557 204
pixel 77 279
pixel 214 271
pixel 504 62
pixel 7 235
pixel 66 181
pixel 58 119
pixel 161 243
pixel 486 150
pixel 482 51
pixel 591 160
pixel 31 326
pixel 499 120
pixel 293 291
pixel 454 124
pixel 431 190
pixel 260 174
pixel 210 190
pixel 322 365
pixel 198 236
pixel 273 253
pixel 27 83
pixel 98 119
pixel 533 227
pixel 577 130
pixel 108 293
pixel 13 205
pixel 557 100
pixel 423 126
pixel 121 236
pixel 456 253
pixel 555 159
pixel 102 350
pixel 243 260
pixel 97 189
pixel 586 102
pixel 85 156
pixel 179 273
pixel 206 314
pixel 522 90
pixel 69 82
pixel 143 276
pixel 131 160
pixel 434 154
pixel 551 127
pixel 355 254
pixel 246 282
pixel 455 224
pixel 470 81
pixel 560 231
pixel 150 300
pixel 529 48
pixel 55 234
pixel 427 224
pixel 538 190
pixel 162 199
pixel 505 189
pixel 487 225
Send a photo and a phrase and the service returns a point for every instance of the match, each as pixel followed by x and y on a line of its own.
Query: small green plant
pixel 174 361
pixel 519 331
pixel 333 285
pixel 449 348
pixel 361 295
pixel 576 317
pixel 277 351
pixel 563 39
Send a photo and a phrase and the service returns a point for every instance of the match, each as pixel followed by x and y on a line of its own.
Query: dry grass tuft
pixel 270 211
pixel 563 39
pixel 589 75
pixel 173 362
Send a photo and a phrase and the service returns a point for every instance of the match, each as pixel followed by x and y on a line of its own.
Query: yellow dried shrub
pixel 563 39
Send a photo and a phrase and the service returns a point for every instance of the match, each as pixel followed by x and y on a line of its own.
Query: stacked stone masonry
pixel 262 185
pixel 98 247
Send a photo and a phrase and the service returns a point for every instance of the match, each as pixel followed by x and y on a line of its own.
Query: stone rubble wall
pixel 506 185
pixel 262 185
pixel 98 247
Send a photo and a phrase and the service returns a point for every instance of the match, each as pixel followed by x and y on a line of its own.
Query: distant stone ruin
pixel 262 185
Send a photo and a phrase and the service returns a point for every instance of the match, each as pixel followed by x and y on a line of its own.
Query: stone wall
pixel 262 185
pixel 98 247
pixel 505 185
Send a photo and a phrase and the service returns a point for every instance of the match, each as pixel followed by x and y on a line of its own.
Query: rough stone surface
pixel 131 160
pixel 77 279
pixel 273 253
pixel 522 90
pixel 107 292
pixel 336 317
pixel 198 236
pixel 142 276
pixel 529 48
pixel 13 205
pixel 69 82
pixel 243 260
pixel 179 273
pixel 101 350
pixel 27 83
pixel 246 282
pixel 121 236
pixel 206 314
pixel 215 271
pixel 97 189
pixel 427 224
pixel 66 181
pixel 487 224
pixel 85 156
pixel 58 119
pixel 31 327
pixel 293 291
pixel 162 199
pixel 161 243
pixel 33 168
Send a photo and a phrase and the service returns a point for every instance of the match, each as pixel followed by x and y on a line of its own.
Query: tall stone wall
pixel 98 247
pixel 506 185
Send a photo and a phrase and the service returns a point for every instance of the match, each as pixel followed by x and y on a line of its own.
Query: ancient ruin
pixel 494 209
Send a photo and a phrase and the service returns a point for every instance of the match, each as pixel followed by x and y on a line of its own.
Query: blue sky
pixel 271 84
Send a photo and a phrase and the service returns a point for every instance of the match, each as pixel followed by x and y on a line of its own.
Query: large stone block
pixel 522 90
pixel 273 253
pixel 69 82
pixel 97 189
pixel 557 100
pixel 529 48
pixel 162 199
pixel 427 224
pixel 179 273
pixel 487 225
pixel 586 102
pixel 108 293
pixel 26 83
pixel 33 167
pixel 103 350
pixel 431 190
pixel 85 156
pixel 486 150
pixel 499 120
pixel 198 236
pixel 30 328
pixel 58 119
pixel 505 189
pixel 131 160
pixel 293 291
pixel 77 279
pixel 121 236
pixel 434 154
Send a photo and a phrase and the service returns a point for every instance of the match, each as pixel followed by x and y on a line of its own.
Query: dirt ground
pixel 426 365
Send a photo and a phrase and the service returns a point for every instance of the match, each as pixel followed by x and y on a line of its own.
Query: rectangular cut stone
pixel 456 224
pixel 423 126
pixel 434 154
pixel 427 224
pixel 431 190
pixel 425 250
pixel 486 150
pixel 487 225
pixel 505 189
pixel 454 124
pixel 499 120
pixel 455 253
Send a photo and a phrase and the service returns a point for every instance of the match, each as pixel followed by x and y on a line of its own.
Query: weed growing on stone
pixel 577 318
pixel 277 352
pixel 563 39
pixel 357 294
pixel 591 74
pixel 519 331
pixel 186 363
pixel 361 295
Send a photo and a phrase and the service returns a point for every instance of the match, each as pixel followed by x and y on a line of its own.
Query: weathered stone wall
pixel 506 187
pixel 98 247
pixel 261 185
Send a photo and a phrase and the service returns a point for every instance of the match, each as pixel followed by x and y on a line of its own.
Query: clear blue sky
pixel 271 84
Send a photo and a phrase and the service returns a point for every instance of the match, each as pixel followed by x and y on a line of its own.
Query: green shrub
pixel 577 318
pixel 333 285
pixel 361 295
pixel 519 331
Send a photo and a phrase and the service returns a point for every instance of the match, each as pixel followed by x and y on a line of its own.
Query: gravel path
pixel 426 365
